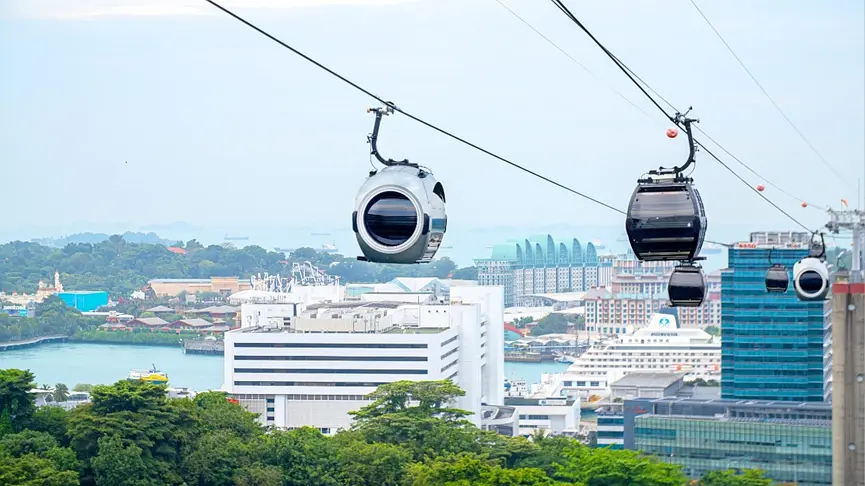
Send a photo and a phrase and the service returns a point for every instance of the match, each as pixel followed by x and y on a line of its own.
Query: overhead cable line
pixel 772 100
pixel 409 115
pixel 574 60
pixel 640 85
pixel 737 159
pixel 649 88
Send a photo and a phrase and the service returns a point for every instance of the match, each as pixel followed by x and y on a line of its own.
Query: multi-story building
pixel 774 346
pixel 791 442
pixel 606 262
pixel 609 312
pixel 652 284
pixel 309 365
pixel 539 265
pixel 627 264
pixel 611 413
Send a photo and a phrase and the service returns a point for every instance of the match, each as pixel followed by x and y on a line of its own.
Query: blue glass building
pixel 773 347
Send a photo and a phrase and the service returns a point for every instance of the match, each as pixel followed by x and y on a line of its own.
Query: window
pixel 332 345
pixel 331 371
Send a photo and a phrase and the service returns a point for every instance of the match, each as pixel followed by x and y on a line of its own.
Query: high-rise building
pixel 774 347
pixel 299 364
pixel 539 265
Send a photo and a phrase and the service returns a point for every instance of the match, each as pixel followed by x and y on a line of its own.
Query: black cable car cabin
pixel 666 221
pixel 687 286
pixel 777 279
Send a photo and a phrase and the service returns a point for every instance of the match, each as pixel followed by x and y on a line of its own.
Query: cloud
pixel 96 9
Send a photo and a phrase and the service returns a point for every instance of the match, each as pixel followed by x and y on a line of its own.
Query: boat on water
pixel 660 347
pixel 152 376
pixel 522 356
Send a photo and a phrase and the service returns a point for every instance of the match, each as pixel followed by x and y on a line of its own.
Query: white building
pixel 545 407
pixel 301 364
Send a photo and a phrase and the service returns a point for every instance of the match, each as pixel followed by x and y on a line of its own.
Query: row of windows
pixel 330 358
pixel 328 398
pixel 610 434
pixel 611 421
pixel 534 417
pixel 331 371
pixel 334 345
pixel 305 383
pixel 448 341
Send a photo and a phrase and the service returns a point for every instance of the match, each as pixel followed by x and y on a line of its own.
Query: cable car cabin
pixel 777 279
pixel 687 286
pixel 666 221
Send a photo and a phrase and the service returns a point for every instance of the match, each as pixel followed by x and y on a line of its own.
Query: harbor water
pixel 73 363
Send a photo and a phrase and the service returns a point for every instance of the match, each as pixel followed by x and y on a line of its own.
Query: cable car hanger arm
pixel 682 120
pixel 373 138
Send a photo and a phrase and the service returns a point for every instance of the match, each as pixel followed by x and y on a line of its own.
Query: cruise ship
pixel 661 346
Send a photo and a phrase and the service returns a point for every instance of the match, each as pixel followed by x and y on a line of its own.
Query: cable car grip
pixel 372 139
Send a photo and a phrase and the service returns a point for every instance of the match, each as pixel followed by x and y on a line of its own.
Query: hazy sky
pixel 153 111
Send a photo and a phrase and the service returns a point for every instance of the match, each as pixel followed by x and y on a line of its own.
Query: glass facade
pixel 793 451
pixel 773 346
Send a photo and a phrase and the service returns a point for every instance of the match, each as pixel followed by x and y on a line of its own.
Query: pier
pixel 32 342
pixel 200 346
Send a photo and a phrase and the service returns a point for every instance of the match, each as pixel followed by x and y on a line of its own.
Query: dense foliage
pixel 53 318
pixel 121 267
pixel 554 323
pixel 131 434
pixel 143 336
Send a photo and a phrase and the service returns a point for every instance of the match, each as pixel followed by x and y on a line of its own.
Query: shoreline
pixel 36 342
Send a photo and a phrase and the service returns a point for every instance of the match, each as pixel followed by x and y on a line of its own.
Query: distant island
pixel 95 238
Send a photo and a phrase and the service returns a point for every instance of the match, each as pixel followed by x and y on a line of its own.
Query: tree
pixel 306 457
pixel 121 266
pixel 730 477
pixel 605 467
pixel 32 470
pixel 409 433
pixel 119 464
pixel 51 420
pixel 140 415
pixel 472 470
pixel 430 396
pixel 364 464
pixel 713 330
pixel 552 323
pixel 16 401
pixel 60 393
pixel 258 475
pixel 82 387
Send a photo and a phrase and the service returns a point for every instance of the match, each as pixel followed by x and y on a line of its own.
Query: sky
pixel 128 114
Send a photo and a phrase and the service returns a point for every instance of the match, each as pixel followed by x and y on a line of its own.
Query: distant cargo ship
pixel 236 238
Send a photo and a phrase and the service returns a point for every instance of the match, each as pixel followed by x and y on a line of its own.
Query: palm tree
pixel 61 392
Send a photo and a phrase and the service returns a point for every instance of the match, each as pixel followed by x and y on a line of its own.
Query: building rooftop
pixel 414 330
pixel 648 379
pixel 198 323
pixel 750 404
pixel 160 308
pixel 725 418
pixel 355 305
pixel 561 296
